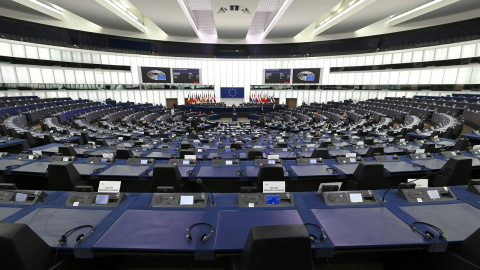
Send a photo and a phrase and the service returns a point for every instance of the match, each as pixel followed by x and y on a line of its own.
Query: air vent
pixel 234 7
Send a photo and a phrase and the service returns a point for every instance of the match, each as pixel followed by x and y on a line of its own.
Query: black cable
pixel 428 234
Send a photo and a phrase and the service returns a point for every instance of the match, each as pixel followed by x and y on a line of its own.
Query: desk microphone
pixel 200 182
pixel 446 169
pixel 293 148
pixel 108 153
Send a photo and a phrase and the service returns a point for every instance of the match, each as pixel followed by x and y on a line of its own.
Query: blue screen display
pixel 101 199
pixel 273 199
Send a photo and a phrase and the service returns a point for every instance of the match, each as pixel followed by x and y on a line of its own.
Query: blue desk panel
pixel 51 223
pixel 347 168
pixel 399 167
pixel 125 170
pixel 149 230
pixel 218 171
pixel 311 170
pixel 361 227
pixel 8 211
pixel 233 226
pixel 457 220
pixel 434 164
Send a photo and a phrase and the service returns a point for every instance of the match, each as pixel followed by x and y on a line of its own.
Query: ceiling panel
pixel 233 24
pixel 95 13
pixel 9 4
pixel 374 12
pixel 170 18
pixel 299 15
pixel 455 8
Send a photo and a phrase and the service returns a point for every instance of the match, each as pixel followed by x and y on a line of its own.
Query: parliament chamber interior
pixel 253 134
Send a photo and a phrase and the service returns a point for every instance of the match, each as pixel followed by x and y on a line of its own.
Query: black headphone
pixel 331 170
pixel 313 238
pixel 80 237
pixel 428 234
pixel 204 236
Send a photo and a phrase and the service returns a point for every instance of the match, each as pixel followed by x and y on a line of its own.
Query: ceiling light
pixel 396 17
pixel 332 19
pixel 51 8
pixel 280 11
pixel 125 13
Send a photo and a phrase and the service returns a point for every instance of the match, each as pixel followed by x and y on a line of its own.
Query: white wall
pixel 235 73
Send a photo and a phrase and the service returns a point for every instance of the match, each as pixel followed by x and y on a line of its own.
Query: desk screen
pixel 20 197
pixel 101 199
pixel 228 162
pixel 273 199
pixel 143 161
pixel 433 194
pixel 356 197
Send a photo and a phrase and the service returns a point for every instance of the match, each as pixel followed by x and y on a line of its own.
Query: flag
pixel 188 99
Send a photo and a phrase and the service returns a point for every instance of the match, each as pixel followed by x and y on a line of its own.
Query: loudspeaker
pixel 22 248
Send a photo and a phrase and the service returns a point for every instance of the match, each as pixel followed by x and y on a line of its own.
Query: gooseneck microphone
pixel 200 182
pixel 446 169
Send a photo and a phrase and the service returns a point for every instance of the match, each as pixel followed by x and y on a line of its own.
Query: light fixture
pixel 246 11
pixel 123 10
pixel 51 8
pixel 222 10
pixel 280 11
pixel 334 18
pixel 396 17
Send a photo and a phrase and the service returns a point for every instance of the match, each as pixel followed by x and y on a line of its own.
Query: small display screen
pixel 171 149
pixel 101 199
pixel 143 161
pixel 423 155
pixel 356 197
pixel 352 159
pixel 186 162
pixel 273 199
pixel 433 194
pixel 31 157
pixel 389 158
pixel 228 162
pixel 228 150
pixel 65 159
pixel 313 161
pixel 103 160
pixel 285 149
pixel 271 161
pixel 20 197
pixel 186 200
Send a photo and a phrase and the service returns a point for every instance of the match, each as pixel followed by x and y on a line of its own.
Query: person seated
pixel 193 135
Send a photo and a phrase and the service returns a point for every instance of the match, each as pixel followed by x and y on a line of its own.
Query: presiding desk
pixel 148 223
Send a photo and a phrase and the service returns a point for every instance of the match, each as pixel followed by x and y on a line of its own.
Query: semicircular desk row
pixel 226 174
pixel 136 223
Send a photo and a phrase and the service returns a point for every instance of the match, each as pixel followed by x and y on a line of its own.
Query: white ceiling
pixel 168 19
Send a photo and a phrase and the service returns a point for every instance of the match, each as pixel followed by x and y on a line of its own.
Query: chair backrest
pixel 429 147
pixel 320 153
pixel 367 175
pixel 269 172
pixel 184 152
pixel 48 139
pixel 101 142
pixel 277 247
pixel 374 150
pixel 186 145
pixel 85 137
pixel 67 151
pixel 457 171
pixel 252 154
pixel 461 145
pixel 18 242
pixel 236 145
pixel 167 175
pixel 62 176
pixel 124 154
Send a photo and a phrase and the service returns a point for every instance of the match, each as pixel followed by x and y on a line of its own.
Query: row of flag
pixel 201 98
pixel 257 98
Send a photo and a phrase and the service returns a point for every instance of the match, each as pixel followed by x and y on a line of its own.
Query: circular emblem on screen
pixel 306 76
pixel 232 92
pixel 157 75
